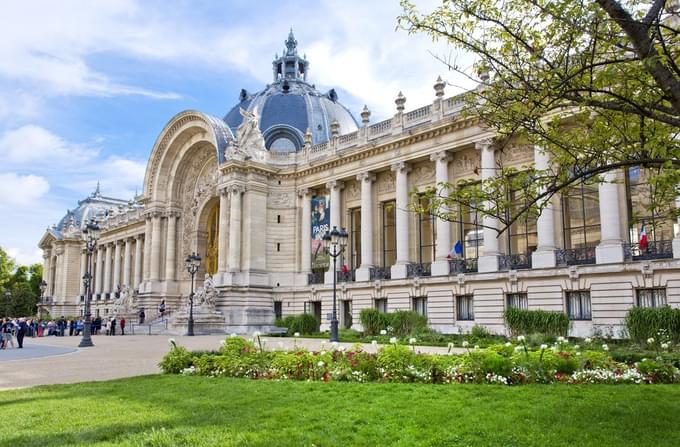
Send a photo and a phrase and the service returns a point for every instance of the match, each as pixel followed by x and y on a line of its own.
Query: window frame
pixel 581 295
pixel 424 217
pixel 419 305
pixel 567 228
pixel 654 297
pixel 470 314
pixel 386 207
pixel 355 238
pixel 522 296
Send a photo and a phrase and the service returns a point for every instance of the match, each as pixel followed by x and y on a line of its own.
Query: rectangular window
pixel 389 234
pixel 578 305
pixel 426 234
pixel 419 305
pixel 581 216
pixel 465 308
pixel 640 193
pixel 355 237
pixel 523 236
pixel 651 297
pixel 518 301
pixel 381 305
pixel 278 309
pixel 471 230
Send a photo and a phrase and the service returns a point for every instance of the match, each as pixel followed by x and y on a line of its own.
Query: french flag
pixel 643 238
pixel 456 251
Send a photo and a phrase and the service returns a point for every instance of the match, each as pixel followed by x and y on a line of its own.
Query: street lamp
pixel 338 242
pixel 192 262
pixel 90 236
pixel 43 287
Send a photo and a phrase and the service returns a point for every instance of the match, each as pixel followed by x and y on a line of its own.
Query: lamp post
pixel 192 262
pixel 338 242
pixel 43 287
pixel 90 235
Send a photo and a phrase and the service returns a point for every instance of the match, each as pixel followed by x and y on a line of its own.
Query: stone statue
pixel 126 302
pixel 206 296
pixel 249 139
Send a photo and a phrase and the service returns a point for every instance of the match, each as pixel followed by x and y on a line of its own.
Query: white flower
pixel 466 344
pixel 320 364
pixel 297 334
pixel 393 340
pixel 605 347
pixel 664 345
pixel 256 334
pixel 374 342
pixel 341 348
pixel 518 348
pixel 577 347
pixel 171 341
pixel 588 340
pixel 233 335
pixel 383 332
pixel 223 342
pixel 544 346
pixel 578 354
pixel 508 344
pixel 451 345
pixel 650 340
pixel 521 338
pixel 476 347
pixel 411 341
pixel 560 339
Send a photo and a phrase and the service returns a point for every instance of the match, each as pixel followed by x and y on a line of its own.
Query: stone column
pixel 147 248
pixel 127 254
pixel 234 261
pixel 440 266
pixel 107 269
pixel 363 273
pixel 610 249
pixel 138 261
pixel 171 247
pixel 222 256
pixel 489 261
pixel 305 231
pixel 676 238
pixel 99 270
pixel 544 256
pixel 46 271
pixel 116 267
pixel 155 263
pixel 401 214
pixel 335 187
pixel 83 270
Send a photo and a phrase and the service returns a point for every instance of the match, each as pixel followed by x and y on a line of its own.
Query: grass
pixel 199 411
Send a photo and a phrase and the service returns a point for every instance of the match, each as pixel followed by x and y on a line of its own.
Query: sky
pixel 87 86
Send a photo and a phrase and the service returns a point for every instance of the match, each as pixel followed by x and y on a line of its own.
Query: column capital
pixel 366 177
pixel 171 213
pixel 139 236
pixel 484 143
pixel 303 192
pixel 441 156
pixel 400 166
pixel 236 189
pixel 333 184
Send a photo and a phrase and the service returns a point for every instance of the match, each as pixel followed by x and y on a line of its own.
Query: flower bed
pixel 506 364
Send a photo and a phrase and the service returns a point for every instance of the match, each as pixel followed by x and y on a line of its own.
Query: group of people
pixel 9 329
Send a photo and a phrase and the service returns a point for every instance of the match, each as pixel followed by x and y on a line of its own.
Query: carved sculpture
pixel 249 139
pixel 126 302
pixel 206 296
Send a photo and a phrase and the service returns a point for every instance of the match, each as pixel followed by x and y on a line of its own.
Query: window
pixel 651 297
pixel 518 301
pixel 659 226
pixel 471 230
pixel 278 246
pixel 426 234
pixel 381 305
pixel 278 310
pixel 355 237
pixel 522 235
pixel 465 307
pixel 581 216
pixel 389 234
pixel 419 305
pixel 578 305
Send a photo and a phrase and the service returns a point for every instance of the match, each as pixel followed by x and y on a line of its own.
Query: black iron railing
pixel 416 269
pixel 463 265
pixel 515 261
pixel 575 256
pixel 381 273
pixel 349 275
pixel 315 278
pixel 654 250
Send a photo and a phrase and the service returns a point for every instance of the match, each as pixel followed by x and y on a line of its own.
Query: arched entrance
pixel 212 245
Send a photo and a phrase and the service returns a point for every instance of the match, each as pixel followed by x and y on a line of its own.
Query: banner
pixel 321 221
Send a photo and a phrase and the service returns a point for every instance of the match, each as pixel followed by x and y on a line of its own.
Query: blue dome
pixel 290 106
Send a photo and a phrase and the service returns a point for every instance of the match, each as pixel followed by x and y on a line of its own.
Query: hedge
pixel 521 322
pixel 643 323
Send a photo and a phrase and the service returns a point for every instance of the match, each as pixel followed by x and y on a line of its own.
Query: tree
pixel 23 284
pixel 595 85
pixel 7 266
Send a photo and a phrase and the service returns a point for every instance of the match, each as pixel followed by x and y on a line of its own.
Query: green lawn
pixel 199 411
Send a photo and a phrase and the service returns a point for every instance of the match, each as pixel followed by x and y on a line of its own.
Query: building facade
pixel 254 192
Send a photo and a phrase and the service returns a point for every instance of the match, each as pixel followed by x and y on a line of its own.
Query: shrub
pixel 175 361
pixel 373 321
pixel 407 322
pixel 643 323
pixel 479 332
pixel 304 324
pixel 536 321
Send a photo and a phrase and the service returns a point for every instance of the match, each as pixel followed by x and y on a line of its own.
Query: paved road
pixel 113 357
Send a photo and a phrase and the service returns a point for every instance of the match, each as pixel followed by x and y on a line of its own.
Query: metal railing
pixel 654 250
pixel 515 261
pixel 349 275
pixel 463 265
pixel 315 278
pixel 575 256
pixel 417 269
pixel 380 273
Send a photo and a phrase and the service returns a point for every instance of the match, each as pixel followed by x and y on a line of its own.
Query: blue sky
pixel 86 86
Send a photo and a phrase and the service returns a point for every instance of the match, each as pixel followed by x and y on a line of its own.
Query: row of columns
pixel 113 265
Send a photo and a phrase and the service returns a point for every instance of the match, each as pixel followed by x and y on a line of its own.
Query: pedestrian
pixel 7 328
pixel 62 326
pixel 79 326
pixel 122 326
pixel 142 315
pixel 113 326
pixel 41 328
pixel 106 326
pixel 161 308
pixel 21 332
pixel 71 326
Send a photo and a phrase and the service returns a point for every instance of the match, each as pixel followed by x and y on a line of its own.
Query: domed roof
pixel 290 106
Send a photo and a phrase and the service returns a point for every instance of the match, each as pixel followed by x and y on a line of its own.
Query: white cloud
pixel 25 257
pixel 35 144
pixel 21 190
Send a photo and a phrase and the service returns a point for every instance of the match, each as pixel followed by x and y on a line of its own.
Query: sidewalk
pixel 120 356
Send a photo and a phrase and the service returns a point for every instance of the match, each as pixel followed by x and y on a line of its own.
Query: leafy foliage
pixel 373 321
pixel 521 321
pixel 305 324
pixel 643 323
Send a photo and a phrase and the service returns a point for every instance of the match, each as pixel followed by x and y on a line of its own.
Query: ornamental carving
pixel 513 154
pixel 386 182
pixel 353 191
pixel 423 174
pixel 466 162
pixel 281 200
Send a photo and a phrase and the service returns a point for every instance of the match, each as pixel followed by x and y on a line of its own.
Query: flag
pixel 344 268
pixel 643 238
pixel 457 250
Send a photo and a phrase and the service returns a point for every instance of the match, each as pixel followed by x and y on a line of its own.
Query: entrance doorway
pixel 346 314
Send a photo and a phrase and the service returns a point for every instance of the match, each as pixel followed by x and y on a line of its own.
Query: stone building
pixel 253 192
